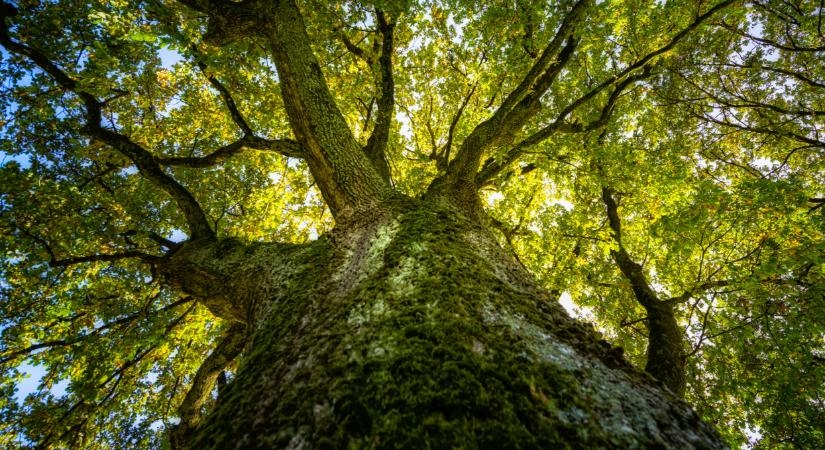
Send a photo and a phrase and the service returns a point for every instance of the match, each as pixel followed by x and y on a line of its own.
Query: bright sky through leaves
pixel 703 121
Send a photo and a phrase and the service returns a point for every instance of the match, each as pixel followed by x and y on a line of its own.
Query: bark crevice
pixel 418 329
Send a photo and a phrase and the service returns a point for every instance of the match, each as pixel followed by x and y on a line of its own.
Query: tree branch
pixel 230 346
pixel 103 258
pixel 344 174
pixel 228 20
pixel 642 62
pixel 566 29
pixel 817 202
pixel 237 117
pixel 206 6
pixel 444 159
pixel 286 147
pixel 767 130
pixel 65 262
pixel 354 48
pixel 664 350
pixel 10 355
pixel 771 43
pixel 145 162
pixel 492 167
pixel 685 296
pixel 377 143
pixel 521 104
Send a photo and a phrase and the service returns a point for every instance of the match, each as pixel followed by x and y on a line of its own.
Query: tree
pixel 349 224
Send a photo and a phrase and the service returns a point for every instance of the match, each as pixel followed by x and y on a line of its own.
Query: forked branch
pixel 522 103
pixel 493 167
pixel 620 82
pixel 344 174
pixel 145 161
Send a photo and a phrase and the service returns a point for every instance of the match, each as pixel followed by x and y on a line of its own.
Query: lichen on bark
pixel 417 330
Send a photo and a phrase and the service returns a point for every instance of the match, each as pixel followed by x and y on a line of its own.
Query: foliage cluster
pixel 714 150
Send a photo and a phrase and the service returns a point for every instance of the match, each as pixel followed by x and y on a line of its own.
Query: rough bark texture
pixel 416 330
pixel 344 173
pixel 665 352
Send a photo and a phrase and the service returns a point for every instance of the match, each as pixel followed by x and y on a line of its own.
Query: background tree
pixel 317 224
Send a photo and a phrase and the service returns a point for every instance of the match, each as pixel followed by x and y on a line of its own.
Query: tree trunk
pixel 414 329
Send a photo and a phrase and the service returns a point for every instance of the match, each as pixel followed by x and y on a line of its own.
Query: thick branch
pixel 631 270
pixel 206 6
pixel 150 169
pixel 286 147
pixel 222 274
pixel 622 80
pixel 162 241
pixel 343 172
pixel 228 349
pixel 228 20
pixel 521 104
pixel 664 350
pixel 377 144
pixel 573 18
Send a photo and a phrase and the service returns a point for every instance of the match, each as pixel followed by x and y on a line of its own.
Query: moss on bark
pixel 417 331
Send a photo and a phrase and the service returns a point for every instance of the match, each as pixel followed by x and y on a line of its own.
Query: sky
pixel 34 373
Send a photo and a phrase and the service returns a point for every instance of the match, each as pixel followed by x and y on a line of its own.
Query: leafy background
pixel 717 159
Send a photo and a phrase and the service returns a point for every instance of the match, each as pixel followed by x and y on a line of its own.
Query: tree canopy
pixel 626 151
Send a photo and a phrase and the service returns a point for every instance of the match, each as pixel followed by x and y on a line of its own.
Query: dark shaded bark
pixel 665 346
pixel 376 147
pixel 416 330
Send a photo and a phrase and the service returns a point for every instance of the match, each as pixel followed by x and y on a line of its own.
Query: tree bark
pixel 416 330
pixel 665 353
pixel 344 173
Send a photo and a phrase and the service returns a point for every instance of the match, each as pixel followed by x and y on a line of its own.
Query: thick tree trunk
pixel 415 330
